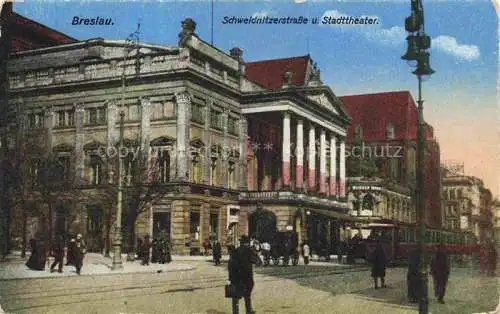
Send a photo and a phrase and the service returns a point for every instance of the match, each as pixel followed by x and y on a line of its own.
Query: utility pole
pixel 117 244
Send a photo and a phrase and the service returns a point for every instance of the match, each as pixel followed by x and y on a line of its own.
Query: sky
pixel 460 99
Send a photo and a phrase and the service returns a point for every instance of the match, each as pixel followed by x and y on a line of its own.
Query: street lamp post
pixel 418 43
pixel 117 263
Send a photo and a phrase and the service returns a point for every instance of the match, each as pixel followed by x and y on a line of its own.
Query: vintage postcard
pixel 214 157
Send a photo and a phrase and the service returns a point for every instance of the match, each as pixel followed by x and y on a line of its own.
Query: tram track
pixel 53 297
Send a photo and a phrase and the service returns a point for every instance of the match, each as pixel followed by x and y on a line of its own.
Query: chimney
pixel 237 54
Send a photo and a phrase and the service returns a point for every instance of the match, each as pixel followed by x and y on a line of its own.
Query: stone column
pixel 49 125
pixel 286 150
pixel 223 226
pixel 79 144
pixel 206 150
pixel 145 127
pixel 223 156
pixel 322 163
pixel 333 165
pixel 204 222
pixel 182 143
pixel 300 155
pixel 342 168
pixel 311 177
pixel 180 225
pixel 243 162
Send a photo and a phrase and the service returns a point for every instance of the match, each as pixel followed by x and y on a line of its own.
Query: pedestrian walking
pixel 379 262
pixel 58 253
pixel 241 274
pixel 440 270
pixel 139 248
pixel 266 252
pixel 80 251
pixel 146 245
pixel 306 251
pixel 216 252
pixel 38 255
pixel 413 276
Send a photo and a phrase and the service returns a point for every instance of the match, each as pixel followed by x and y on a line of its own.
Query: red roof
pixel 270 73
pixel 375 112
pixel 26 34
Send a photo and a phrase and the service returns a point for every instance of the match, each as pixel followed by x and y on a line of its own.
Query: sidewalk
pixel 14 267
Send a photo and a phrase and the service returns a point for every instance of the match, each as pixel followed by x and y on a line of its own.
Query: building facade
pixel 212 147
pixel 382 161
pixel 467 204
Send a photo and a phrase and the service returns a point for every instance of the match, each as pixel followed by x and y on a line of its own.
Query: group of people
pixel 440 271
pixel 161 250
pixel 41 250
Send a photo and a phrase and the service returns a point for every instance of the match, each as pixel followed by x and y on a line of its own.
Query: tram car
pixel 400 240
pixel 284 247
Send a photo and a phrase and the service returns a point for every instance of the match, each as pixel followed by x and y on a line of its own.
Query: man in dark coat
pixel 58 253
pixel 379 262
pixel 80 250
pixel 36 262
pixel 216 251
pixel 413 276
pixel 440 270
pixel 241 273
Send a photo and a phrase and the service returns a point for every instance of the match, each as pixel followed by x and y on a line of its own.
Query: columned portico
pixel 333 165
pixel 311 175
pixel 322 163
pixel 286 149
pixel 300 155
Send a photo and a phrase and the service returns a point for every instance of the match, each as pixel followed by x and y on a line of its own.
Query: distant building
pixel 224 147
pixel 383 133
pixel 467 204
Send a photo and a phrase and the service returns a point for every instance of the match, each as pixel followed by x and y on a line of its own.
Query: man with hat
pixel 241 274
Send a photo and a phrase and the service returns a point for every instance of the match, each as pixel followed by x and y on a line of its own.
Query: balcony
pixel 293 197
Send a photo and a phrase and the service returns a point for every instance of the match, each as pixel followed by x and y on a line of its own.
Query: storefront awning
pixel 336 215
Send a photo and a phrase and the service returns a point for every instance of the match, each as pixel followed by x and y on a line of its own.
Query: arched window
pixel 368 202
pixel 196 154
pixel 164 166
pixel 390 131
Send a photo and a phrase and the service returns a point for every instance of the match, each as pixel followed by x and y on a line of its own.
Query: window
pixel 35 172
pixel 63 166
pixel 197 114
pixel 92 116
pixel 164 160
pixel 213 171
pixel 61 119
pixel 40 120
pixel 102 115
pixel 214 226
pixel 133 113
pixel 231 175
pixel 215 120
pixel 195 226
pixel 94 219
pixel 71 118
pixel 32 121
pixel 195 168
pixel 96 170
pixel 169 108
pixel 232 126
pixel 390 132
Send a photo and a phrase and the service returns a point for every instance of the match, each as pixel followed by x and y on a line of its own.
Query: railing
pixel 292 196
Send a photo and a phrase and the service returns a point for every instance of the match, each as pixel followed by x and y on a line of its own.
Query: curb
pixel 112 273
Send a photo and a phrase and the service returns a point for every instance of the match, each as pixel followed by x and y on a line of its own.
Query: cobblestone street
pixel 317 288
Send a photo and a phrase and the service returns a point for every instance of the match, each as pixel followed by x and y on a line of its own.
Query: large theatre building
pixel 215 147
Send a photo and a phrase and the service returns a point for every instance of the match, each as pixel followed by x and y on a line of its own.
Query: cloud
pixel 396 35
pixel 450 46
pixel 261 14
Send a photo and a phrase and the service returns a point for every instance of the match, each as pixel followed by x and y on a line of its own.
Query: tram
pixel 399 240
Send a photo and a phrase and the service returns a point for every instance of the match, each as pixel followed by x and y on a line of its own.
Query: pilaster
pixel 49 125
pixel 112 133
pixel 207 148
pixel 182 143
pixel 322 163
pixel 342 189
pixel 79 144
pixel 243 146
pixel 145 127
pixel 204 222
pixel 225 150
pixel 180 226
